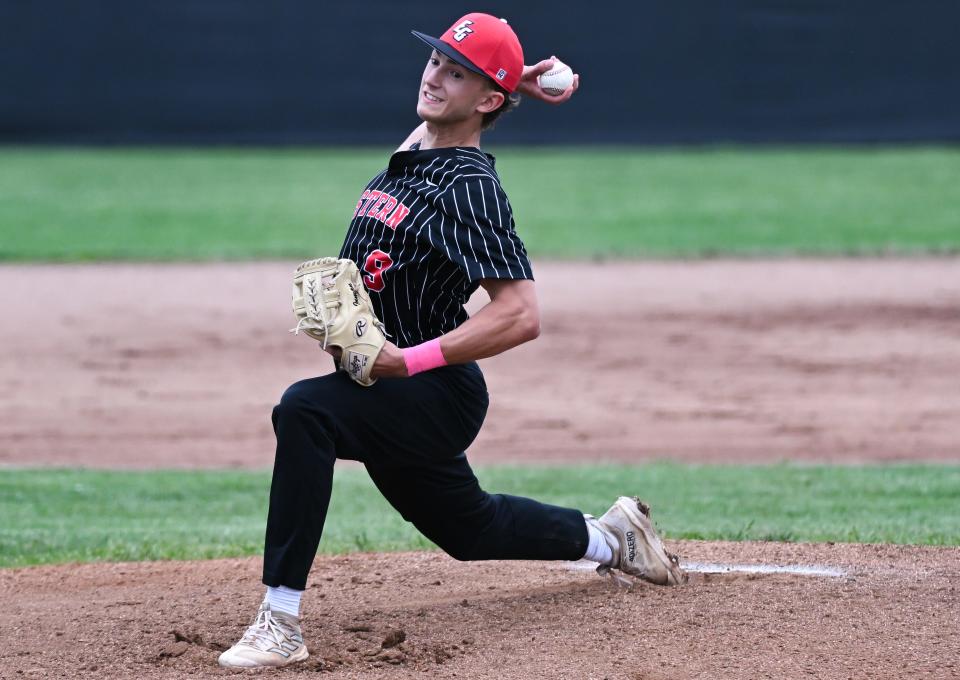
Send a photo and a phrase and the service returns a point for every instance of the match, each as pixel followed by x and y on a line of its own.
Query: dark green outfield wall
pixel 306 71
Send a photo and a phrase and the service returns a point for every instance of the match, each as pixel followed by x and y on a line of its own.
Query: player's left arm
pixel 511 318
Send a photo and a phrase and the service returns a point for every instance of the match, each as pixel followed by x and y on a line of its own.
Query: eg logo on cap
pixel 461 31
pixel 493 49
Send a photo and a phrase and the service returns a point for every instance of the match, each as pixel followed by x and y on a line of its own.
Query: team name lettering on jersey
pixel 456 228
pixel 382 207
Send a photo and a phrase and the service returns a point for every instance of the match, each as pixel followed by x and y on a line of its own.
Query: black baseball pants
pixel 411 434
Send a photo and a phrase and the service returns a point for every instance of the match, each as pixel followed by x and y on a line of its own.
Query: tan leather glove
pixel 332 305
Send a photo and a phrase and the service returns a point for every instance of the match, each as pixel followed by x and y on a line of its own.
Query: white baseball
pixel 556 80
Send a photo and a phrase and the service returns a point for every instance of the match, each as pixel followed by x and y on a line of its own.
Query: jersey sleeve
pixel 480 226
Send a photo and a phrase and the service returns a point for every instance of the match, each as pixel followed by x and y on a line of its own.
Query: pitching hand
pixel 529 87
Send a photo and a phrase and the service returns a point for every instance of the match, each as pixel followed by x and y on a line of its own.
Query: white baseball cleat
pixel 274 639
pixel 637 549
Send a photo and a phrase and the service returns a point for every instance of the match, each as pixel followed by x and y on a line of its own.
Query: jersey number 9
pixel 377 263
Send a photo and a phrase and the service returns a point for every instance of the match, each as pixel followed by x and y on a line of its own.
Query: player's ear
pixel 492 100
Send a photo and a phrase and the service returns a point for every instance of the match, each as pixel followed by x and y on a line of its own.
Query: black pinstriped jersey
pixel 424 233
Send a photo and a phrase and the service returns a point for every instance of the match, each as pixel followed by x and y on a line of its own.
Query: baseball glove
pixel 332 306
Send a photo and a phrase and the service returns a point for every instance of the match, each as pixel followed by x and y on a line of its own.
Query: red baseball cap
pixel 484 44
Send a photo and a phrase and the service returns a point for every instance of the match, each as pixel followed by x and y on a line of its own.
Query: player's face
pixel 450 93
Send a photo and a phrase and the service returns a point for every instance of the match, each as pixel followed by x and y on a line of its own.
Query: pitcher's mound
pixel 877 611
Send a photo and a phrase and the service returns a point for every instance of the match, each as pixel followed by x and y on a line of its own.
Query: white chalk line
pixel 798 569
pixel 721 568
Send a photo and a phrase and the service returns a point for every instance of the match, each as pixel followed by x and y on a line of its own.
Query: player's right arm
pixel 529 87
pixel 414 136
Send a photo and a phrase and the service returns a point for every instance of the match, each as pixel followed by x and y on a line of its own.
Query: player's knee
pixel 303 399
pixel 459 552
pixel 469 548
pixel 468 543
pixel 293 401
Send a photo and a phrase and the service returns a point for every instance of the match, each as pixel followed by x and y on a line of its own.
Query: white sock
pixel 598 550
pixel 283 599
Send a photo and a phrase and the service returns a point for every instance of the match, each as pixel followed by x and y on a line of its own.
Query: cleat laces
pixel 266 633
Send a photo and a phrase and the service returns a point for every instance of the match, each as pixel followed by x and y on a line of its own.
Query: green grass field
pixel 182 204
pixel 176 204
pixel 55 515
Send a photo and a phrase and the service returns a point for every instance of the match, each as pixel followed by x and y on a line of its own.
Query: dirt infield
pixel 892 615
pixel 179 366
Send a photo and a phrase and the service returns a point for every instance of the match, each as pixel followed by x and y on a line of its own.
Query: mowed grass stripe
pixel 65 515
pixel 200 204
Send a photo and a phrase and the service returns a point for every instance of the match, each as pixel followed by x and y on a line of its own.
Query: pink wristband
pixel 423 357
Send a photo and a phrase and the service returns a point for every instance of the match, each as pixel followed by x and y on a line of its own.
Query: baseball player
pixel 426 232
